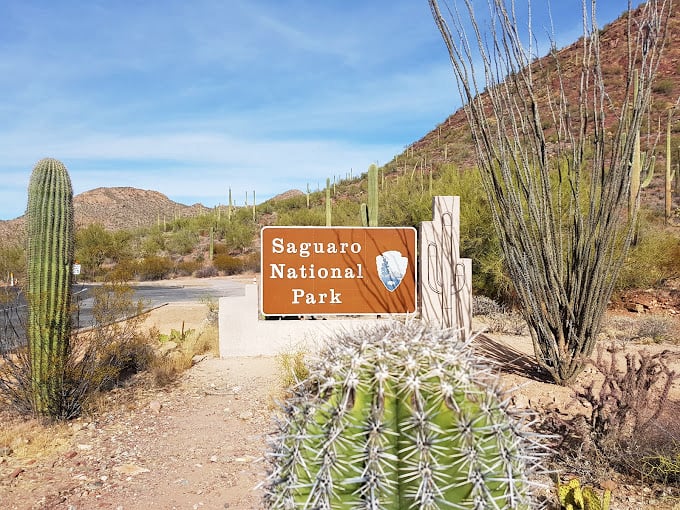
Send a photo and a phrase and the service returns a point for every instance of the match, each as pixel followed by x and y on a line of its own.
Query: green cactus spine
pixel 400 417
pixel 50 258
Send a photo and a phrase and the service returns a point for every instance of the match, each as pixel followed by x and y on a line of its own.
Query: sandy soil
pixel 199 443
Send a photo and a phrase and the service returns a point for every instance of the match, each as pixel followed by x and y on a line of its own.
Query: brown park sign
pixel 338 270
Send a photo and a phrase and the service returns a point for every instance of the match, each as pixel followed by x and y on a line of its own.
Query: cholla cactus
pixel 400 417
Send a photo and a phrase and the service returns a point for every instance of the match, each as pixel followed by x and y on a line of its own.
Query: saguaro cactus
pixel 400 417
pixel 50 257
pixel 329 204
pixel 670 172
pixel 369 212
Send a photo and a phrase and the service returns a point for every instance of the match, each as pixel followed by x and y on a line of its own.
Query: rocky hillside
pixel 126 208
pixel 451 141
pixel 115 209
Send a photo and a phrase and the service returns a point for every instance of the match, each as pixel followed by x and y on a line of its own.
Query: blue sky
pixel 192 98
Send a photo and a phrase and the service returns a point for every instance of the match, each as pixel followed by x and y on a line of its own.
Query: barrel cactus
pixel 400 417
pixel 50 257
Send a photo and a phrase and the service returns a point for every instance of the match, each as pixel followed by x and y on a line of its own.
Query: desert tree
pixel 555 154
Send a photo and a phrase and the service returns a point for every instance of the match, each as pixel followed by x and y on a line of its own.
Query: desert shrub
pixel 251 262
pixel 219 248
pixel 509 323
pixel 652 328
pixel 123 271
pixel 206 272
pixel 12 260
pixel 154 268
pixel 655 328
pixel 655 258
pixel 213 306
pixel 99 358
pixel 663 86
pixel 238 235
pixel 187 267
pixel 228 264
pixel 302 217
pixel 663 467
pixel 292 368
pixel 626 425
pixel 93 245
pixel 181 242
pixel 483 305
pixel 166 368
pixel 152 243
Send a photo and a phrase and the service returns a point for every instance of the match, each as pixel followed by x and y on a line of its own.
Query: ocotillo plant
pixel 400 417
pixel 50 257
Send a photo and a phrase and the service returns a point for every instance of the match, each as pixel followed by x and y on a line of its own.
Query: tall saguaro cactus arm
pixel 50 257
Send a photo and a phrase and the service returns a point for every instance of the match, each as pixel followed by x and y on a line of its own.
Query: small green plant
pixel 573 496
pixel 179 337
pixel 292 368
pixel 154 267
pixel 227 264
pixel 664 468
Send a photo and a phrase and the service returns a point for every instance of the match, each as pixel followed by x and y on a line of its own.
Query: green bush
pixel 227 264
pixel 154 268
pixel 94 244
pixel 251 262
pixel 12 261
pixel 663 86
pixel 187 267
pixel 302 217
pixel 152 243
pixel 181 242
pixel 123 271
pixel 655 258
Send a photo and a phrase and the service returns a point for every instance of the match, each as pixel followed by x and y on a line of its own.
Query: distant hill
pixel 115 209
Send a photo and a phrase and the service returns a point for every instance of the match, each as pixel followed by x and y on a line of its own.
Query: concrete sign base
pixel 243 334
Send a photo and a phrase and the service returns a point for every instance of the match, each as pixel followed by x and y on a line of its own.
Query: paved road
pixel 152 295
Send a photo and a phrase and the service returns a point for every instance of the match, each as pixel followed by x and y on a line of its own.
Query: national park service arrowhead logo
pixel 391 267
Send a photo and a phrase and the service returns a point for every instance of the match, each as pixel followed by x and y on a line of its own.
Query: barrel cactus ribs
pixel 401 417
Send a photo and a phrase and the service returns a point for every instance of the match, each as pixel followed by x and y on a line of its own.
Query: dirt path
pixel 196 445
